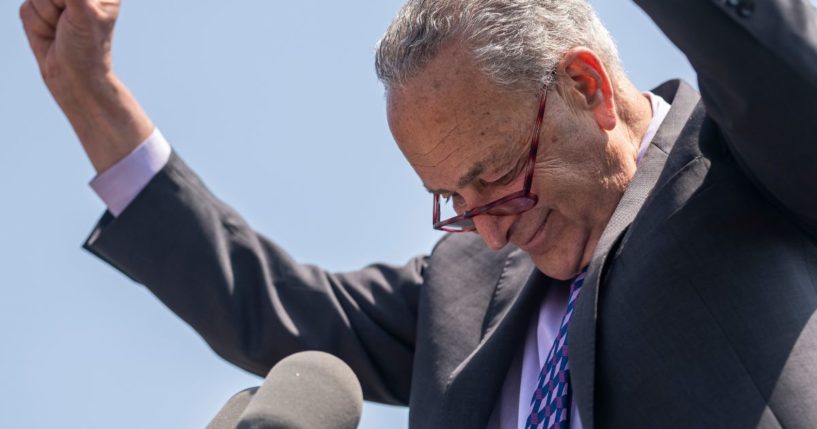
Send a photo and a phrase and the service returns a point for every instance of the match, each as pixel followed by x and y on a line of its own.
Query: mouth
pixel 538 235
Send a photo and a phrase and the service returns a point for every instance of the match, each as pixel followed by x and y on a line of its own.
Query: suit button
pixel 746 8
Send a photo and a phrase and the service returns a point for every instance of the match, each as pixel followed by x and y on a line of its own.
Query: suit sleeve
pixel 757 69
pixel 250 301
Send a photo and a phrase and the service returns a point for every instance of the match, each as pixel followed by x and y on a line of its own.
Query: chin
pixel 556 269
pixel 558 273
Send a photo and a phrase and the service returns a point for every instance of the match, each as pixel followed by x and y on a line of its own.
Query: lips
pixel 538 234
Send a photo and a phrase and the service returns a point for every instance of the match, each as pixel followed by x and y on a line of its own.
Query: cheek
pixel 572 173
pixel 571 189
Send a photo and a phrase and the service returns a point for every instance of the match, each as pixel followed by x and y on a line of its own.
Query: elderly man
pixel 651 258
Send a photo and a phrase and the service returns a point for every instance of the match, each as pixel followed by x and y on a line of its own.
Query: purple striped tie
pixel 550 405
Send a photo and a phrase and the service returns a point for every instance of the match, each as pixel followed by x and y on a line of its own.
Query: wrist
pixel 81 92
pixel 106 117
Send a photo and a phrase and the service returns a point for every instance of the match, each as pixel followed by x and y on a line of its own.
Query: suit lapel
pixel 582 330
pixel 474 387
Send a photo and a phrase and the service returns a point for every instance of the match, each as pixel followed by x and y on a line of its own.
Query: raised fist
pixel 71 39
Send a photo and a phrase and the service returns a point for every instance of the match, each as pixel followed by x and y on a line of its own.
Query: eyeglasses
pixel 512 204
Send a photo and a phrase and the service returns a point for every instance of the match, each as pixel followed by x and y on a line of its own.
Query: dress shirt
pixel 119 185
pixel 122 182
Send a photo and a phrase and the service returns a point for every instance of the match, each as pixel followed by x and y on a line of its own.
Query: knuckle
pixel 24 12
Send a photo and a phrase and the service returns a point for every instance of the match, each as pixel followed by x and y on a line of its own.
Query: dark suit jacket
pixel 698 310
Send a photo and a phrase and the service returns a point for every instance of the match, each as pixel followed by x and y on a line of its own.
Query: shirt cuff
pixel 119 185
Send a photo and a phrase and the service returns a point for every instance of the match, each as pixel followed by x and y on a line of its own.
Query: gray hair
pixel 516 43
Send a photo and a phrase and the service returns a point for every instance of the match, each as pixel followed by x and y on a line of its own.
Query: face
pixel 469 139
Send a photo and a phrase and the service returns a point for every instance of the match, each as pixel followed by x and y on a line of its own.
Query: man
pixel 674 239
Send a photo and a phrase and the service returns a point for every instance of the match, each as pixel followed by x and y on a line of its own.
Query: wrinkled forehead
pixel 450 118
pixel 450 140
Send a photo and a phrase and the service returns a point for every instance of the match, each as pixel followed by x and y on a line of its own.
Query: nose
pixel 493 229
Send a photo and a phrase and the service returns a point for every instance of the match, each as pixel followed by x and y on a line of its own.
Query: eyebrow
pixel 494 159
pixel 472 174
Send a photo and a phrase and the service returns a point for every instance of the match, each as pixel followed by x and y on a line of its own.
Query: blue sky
pixel 277 107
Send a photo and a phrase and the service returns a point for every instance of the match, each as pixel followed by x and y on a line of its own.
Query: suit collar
pixel 474 386
pixel 582 330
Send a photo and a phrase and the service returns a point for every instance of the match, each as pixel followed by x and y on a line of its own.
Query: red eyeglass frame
pixel 525 194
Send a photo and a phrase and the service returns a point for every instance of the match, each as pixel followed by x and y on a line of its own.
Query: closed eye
pixel 506 179
pixel 509 177
pixel 455 199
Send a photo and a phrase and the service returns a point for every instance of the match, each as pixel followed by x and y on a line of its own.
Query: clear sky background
pixel 277 107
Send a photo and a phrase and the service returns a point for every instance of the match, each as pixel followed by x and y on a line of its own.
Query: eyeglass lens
pixel 510 207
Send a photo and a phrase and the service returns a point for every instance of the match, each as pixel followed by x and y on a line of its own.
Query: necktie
pixel 550 405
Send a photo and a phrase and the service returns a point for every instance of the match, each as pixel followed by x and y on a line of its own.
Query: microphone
pixel 229 414
pixel 307 390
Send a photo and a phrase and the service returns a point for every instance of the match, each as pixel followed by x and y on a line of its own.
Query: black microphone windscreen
pixel 307 390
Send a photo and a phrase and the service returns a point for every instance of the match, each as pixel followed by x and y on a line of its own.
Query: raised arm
pixel 757 69
pixel 253 303
pixel 71 40
pixel 250 301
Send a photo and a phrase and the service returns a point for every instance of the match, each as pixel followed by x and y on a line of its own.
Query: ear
pixel 588 86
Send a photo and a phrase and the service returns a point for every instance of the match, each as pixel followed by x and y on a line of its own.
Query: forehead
pixel 450 120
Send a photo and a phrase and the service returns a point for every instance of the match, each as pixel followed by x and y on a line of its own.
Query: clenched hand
pixel 71 40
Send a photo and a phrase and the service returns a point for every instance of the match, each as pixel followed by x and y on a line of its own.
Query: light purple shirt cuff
pixel 119 185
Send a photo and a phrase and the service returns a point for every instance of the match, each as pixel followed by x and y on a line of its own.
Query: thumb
pixel 77 4
pixel 101 7
pixel 91 12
